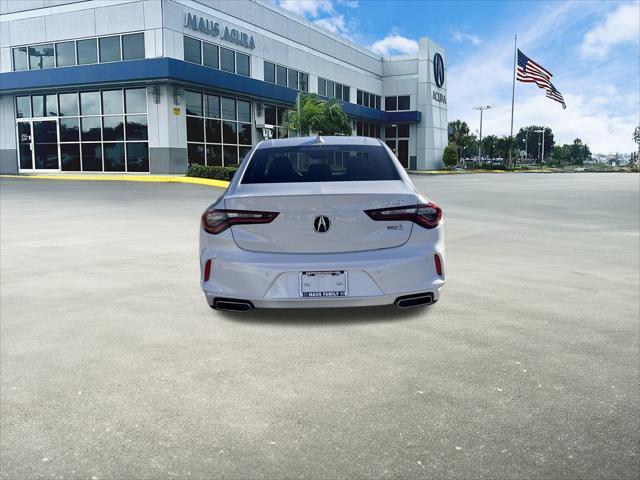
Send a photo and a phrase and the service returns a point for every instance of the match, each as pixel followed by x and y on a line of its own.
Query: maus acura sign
pixel 210 27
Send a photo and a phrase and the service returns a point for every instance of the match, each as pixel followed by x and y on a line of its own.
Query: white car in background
pixel 321 222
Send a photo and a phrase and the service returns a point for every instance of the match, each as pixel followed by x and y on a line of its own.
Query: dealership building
pixel 154 86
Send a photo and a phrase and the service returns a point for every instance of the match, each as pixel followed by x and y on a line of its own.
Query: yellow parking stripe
pixel 128 178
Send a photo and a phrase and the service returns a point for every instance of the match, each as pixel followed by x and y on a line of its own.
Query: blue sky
pixel 591 47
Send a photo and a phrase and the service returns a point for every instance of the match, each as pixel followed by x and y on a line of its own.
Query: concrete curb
pixel 127 178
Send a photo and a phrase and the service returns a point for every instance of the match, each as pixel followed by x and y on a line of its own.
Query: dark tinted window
pixel 346 93
pixel 41 56
pixel 109 49
pixel 133 46
pixel 192 50
pixel 91 157
pixel 403 102
pixel 193 103
pixel 244 111
pixel 113 127
pixel 20 59
pixel 243 64
pixel 195 129
pixel 227 61
pixel 114 157
pixel 331 89
pixel 228 108
pixel 322 87
pixel 69 130
pixel 212 106
pixel 210 55
pixel 66 54
pixel 293 79
pixel 304 82
pixel 403 130
pixel 269 72
pixel 70 157
pixel 136 127
pixel 327 163
pixel 91 129
pixel 391 103
pixel 281 75
pixel 137 157
pixel 87 51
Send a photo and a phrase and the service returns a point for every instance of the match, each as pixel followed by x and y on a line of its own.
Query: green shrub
pixel 212 172
pixel 450 156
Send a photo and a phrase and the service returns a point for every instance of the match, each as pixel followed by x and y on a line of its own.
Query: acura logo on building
pixel 438 70
pixel 321 224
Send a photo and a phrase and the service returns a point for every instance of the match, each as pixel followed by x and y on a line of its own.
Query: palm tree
pixel 313 114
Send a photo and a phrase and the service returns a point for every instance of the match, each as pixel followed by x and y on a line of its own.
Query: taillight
pixel 216 221
pixel 426 215
pixel 207 270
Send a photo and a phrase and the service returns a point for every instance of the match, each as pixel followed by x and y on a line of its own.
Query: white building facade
pixel 154 86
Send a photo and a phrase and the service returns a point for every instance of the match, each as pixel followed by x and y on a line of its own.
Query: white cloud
pixel 335 24
pixel 460 37
pixel 395 44
pixel 349 3
pixel 619 26
pixel 307 8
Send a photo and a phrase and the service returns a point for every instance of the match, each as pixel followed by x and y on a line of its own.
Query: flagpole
pixel 513 94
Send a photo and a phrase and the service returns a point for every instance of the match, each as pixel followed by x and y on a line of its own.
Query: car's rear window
pixel 320 163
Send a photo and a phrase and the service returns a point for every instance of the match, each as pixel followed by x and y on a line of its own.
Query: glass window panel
pixel 136 127
pixel 403 102
pixel 269 114
pixel 195 129
pixel 346 93
pixel 378 102
pixel 403 152
pixel 269 72
pixel 51 105
pixel 45 132
pixel 293 79
pixel 359 97
pixel 229 132
pixel 114 157
pixel 23 107
pixel 214 155
pixel 228 108
pixel 330 89
pixel 403 130
pixel 390 131
pixel 281 75
pixel 24 145
pixel 365 99
pixel 338 91
pixel 70 157
pixel 112 102
pixel 87 51
pixel 135 100
pixel 69 130
pixel 68 104
pixel 193 101
pixel 280 112
pixel 37 105
pixel 244 133
pixel 304 82
pixel 359 129
pixel 227 62
pixel 213 131
pixel 230 155
pixel 137 157
pixel 213 106
pixel 192 51
pixel 65 54
pixel 322 87
pixel 210 55
pixel 195 153
pixel 242 64
pixel 109 49
pixel 91 157
pixel 244 111
pixel 90 103
pixel 133 46
pixel 90 129
pixel 390 103
pixel 45 155
pixel 41 56
pixel 20 60
pixel 113 127
pixel 243 152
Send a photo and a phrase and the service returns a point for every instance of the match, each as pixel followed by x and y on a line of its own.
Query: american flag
pixel 529 71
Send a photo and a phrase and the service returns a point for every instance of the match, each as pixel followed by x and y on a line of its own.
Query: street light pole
pixel 482 109
pixel 541 156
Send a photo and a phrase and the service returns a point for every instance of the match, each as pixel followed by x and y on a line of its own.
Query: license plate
pixel 323 284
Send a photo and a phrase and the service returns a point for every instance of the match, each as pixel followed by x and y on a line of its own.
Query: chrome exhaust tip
pixel 232 305
pixel 416 300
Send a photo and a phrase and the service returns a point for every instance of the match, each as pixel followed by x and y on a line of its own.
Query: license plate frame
pixel 317 274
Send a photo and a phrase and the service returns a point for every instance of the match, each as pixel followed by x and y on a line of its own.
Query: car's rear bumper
pixel 272 280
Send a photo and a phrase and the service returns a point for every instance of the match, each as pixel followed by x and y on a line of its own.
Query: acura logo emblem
pixel 438 70
pixel 321 224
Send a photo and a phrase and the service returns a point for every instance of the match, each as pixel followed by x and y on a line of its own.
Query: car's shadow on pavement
pixel 329 316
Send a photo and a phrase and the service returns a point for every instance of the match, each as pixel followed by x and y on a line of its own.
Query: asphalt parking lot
pixel 113 365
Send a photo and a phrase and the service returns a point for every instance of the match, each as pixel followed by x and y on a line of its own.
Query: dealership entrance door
pixel 38 145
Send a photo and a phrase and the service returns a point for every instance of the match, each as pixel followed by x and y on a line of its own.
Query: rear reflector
pixel 216 221
pixel 438 262
pixel 426 215
pixel 207 270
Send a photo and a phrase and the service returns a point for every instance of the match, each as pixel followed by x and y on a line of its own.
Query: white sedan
pixel 321 222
